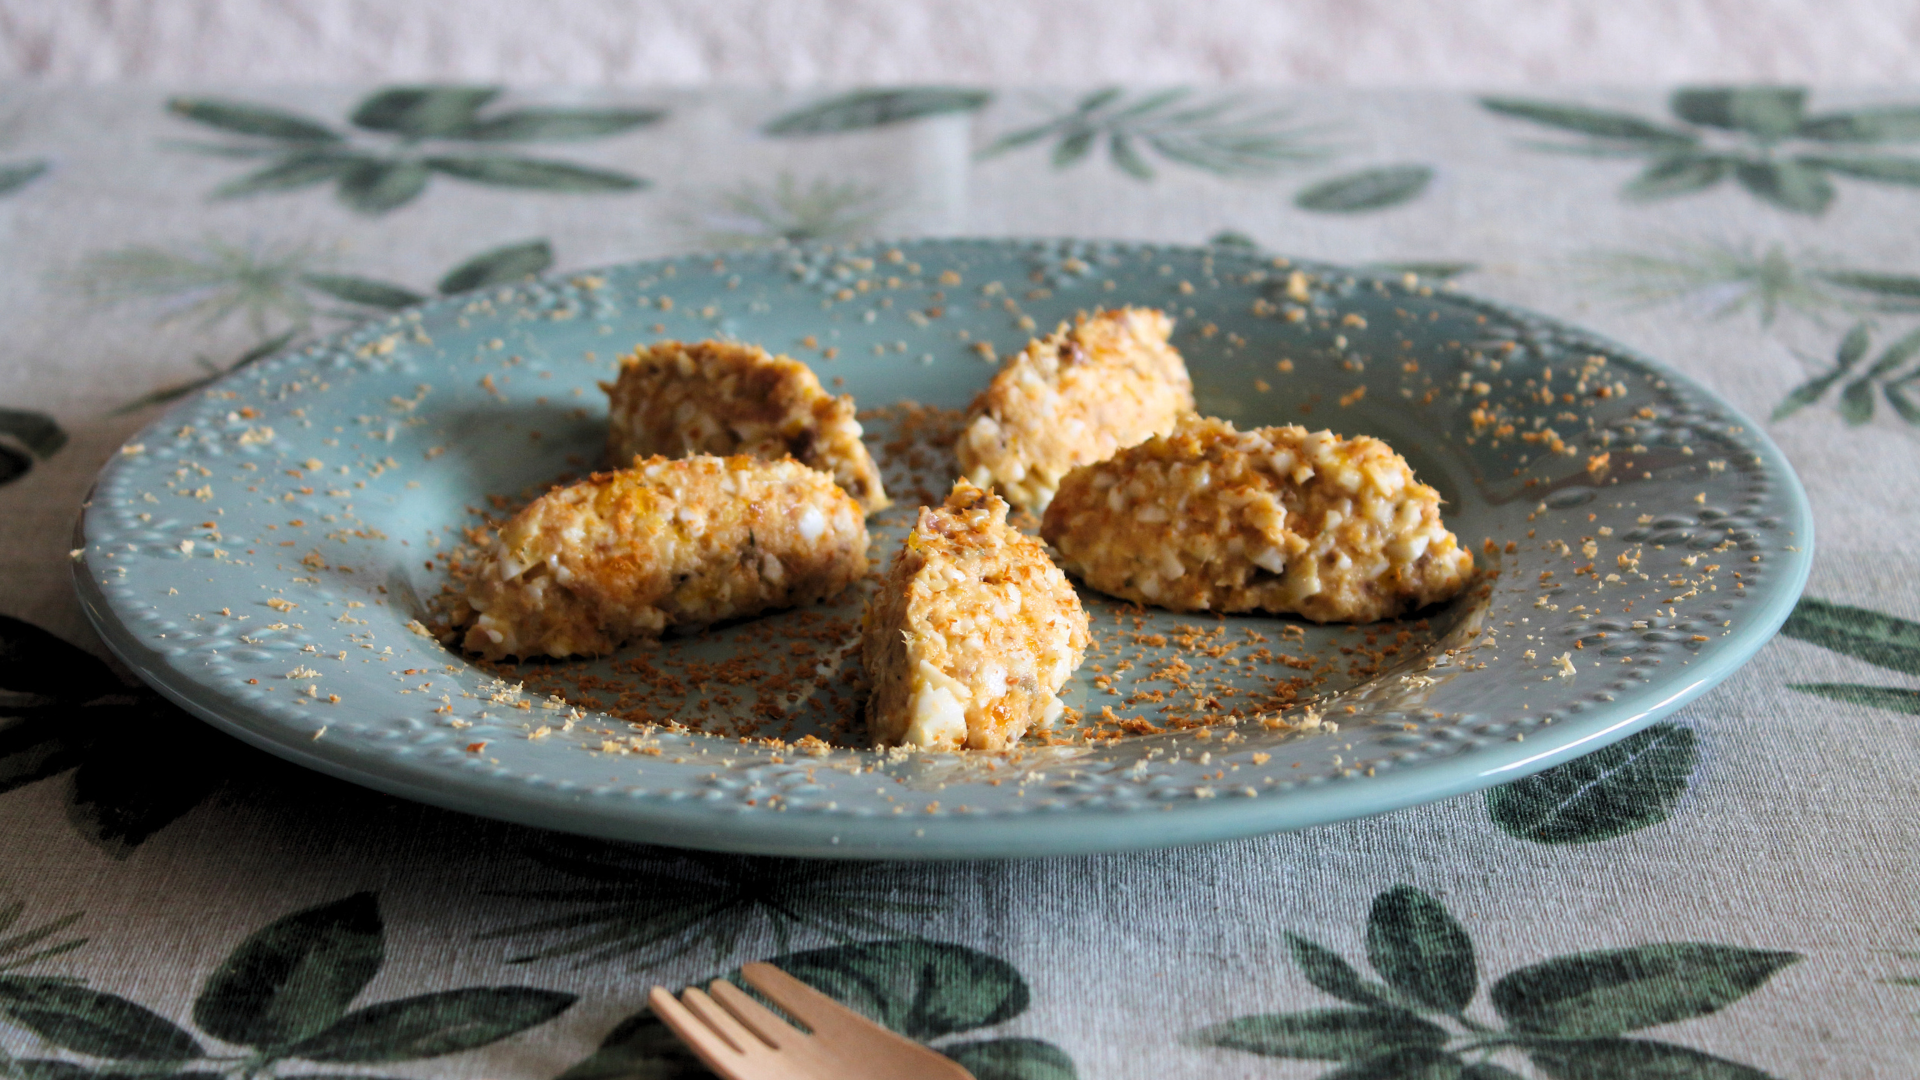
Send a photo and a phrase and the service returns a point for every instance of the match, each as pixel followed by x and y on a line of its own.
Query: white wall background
pixel 831 42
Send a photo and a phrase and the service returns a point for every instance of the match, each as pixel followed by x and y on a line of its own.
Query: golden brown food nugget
pixel 1074 398
pixel 721 397
pixel 687 542
pixel 1273 519
pixel 970 638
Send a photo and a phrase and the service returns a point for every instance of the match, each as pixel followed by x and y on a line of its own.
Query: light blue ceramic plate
pixel 334 479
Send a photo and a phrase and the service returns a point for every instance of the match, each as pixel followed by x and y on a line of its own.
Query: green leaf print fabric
pixel 1370 189
pixel 376 177
pixel 283 994
pixel 1870 636
pixel 1634 783
pixel 1765 125
pixel 1563 1015
pixel 1723 893
pixel 876 108
pixel 925 990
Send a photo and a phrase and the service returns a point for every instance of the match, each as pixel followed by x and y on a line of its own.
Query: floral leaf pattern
pixel 93 1023
pixel 373 177
pixel 208 282
pixel 925 990
pixel 1859 633
pixel 1890 698
pixel 1215 135
pixel 432 1025
pixel 363 291
pixel 1891 374
pixel 423 112
pixel 37 435
pixel 294 978
pixel 65 713
pixel 1748 133
pixel 921 989
pixel 19 174
pixel 1908 981
pixel 31 994
pixel 788 212
pixel 1566 1015
pixel 283 994
pixel 1369 189
pixel 648 906
pixel 1415 944
pixel 213 371
pixel 639 1045
pixel 1330 972
pixel 1613 791
pixel 1592 1059
pixel 1876 638
pixel 1623 128
pixel 286 287
pixel 1620 990
pixel 24 948
pixel 1732 279
pixel 1012 1059
pixel 1434 270
pixel 528 173
pixel 864 109
pixel 242 119
pixel 1326 1034
pixel 499 266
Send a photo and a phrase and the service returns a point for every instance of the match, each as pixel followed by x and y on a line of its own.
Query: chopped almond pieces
pixel 718 397
pixel 1073 398
pixel 1273 519
pixel 972 634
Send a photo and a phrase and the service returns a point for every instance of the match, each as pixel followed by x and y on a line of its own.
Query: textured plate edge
pixel 985 836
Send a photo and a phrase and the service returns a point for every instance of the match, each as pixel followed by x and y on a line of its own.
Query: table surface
pixel 1728 894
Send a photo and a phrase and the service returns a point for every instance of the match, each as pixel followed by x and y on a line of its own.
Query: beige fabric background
pixel 796 42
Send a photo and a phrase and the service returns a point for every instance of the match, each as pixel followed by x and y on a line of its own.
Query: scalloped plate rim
pixel 1070 831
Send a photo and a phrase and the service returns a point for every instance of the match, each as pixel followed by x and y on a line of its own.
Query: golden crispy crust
pixel 1272 519
pixel 974 632
pixel 719 397
pixel 685 542
pixel 1074 398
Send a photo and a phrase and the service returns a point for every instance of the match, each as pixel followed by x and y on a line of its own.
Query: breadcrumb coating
pixel 972 635
pixel 1074 398
pixel 720 397
pixel 669 542
pixel 1273 519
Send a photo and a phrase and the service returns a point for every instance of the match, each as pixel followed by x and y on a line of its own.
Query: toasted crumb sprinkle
pixel 626 554
pixel 973 633
pixel 721 398
pixel 1072 398
pixel 1285 521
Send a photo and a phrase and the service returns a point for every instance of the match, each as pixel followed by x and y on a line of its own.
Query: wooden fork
pixel 743 1040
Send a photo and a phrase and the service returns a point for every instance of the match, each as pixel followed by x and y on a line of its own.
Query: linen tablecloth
pixel 1731 893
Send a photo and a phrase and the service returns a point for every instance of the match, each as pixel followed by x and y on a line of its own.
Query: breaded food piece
pixel 668 542
pixel 1274 519
pixel 720 397
pixel 1074 398
pixel 970 638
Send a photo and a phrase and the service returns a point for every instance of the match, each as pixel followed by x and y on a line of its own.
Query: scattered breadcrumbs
pixel 793 680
